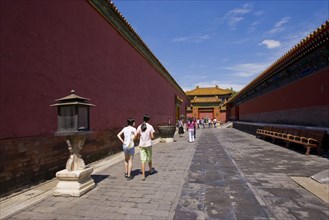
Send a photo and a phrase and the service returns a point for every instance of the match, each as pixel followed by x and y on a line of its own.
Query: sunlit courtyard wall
pixel 49 48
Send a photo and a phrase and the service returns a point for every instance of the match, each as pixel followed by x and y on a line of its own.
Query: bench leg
pixel 273 140
pixel 308 150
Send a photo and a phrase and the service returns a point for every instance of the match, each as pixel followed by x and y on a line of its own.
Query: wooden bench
pixel 308 138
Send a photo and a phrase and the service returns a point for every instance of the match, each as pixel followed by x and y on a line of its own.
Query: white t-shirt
pixel 128 132
pixel 145 139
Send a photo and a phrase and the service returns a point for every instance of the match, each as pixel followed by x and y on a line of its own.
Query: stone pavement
pixel 225 174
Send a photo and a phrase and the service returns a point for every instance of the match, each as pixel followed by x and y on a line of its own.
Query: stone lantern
pixel 73 123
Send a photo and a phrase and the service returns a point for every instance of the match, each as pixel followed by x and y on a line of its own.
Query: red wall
pixel 223 117
pixel 209 114
pixel 308 92
pixel 51 47
pixel 305 101
pixel 48 48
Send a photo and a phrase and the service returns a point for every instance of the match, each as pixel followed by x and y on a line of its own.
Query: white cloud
pixel 271 44
pixel 236 77
pixel 259 13
pixel 282 22
pixel 234 20
pixel 247 69
pixel 253 26
pixel 236 15
pixel 192 38
pixel 278 26
pixel 241 41
pixel 245 9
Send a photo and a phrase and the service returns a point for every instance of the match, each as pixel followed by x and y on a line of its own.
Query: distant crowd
pixel 192 124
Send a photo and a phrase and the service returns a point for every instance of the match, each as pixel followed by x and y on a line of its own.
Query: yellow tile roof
pixel 208 91
pixel 205 99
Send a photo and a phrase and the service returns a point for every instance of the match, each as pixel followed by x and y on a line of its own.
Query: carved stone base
pixel 167 140
pixel 74 183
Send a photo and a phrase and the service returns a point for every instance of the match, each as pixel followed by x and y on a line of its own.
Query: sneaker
pixel 130 178
pixel 126 175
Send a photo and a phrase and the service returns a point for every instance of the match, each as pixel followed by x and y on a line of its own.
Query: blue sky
pixel 224 43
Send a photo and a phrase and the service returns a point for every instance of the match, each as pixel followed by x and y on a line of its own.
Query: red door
pixel 206 114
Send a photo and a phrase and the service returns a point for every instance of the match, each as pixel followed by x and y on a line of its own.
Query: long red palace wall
pixel 49 48
pixel 223 117
pixel 303 102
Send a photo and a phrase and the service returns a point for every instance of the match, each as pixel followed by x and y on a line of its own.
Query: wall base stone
pixel 25 162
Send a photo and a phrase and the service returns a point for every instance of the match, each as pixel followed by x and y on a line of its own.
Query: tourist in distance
pixel 145 132
pixel 180 127
pixel 190 127
pixel 202 122
pixel 129 133
pixel 194 127
pixel 210 123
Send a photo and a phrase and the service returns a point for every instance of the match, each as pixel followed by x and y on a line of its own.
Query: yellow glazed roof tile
pixel 205 99
pixel 208 91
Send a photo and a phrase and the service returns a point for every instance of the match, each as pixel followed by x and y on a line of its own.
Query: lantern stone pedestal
pixel 167 133
pixel 74 183
pixel 76 179
pixel 73 122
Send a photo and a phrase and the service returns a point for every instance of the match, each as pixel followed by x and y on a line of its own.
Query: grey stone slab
pixel 218 204
pixel 267 169
pixel 226 174
pixel 223 192
pixel 185 214
pixel 322 177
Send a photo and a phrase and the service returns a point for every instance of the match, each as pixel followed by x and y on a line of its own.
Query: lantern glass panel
pixel 67 118
pixel 83 118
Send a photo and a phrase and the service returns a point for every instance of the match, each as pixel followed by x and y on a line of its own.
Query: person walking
pixel 180 127
pixel 210 123
pixel 190 127
pixel 145 132
pixel 202 122
pixel 198 123
pixel 194 128
pixel 129 133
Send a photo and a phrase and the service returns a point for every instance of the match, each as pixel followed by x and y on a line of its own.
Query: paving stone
pixel 130 211
pixel 226 174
